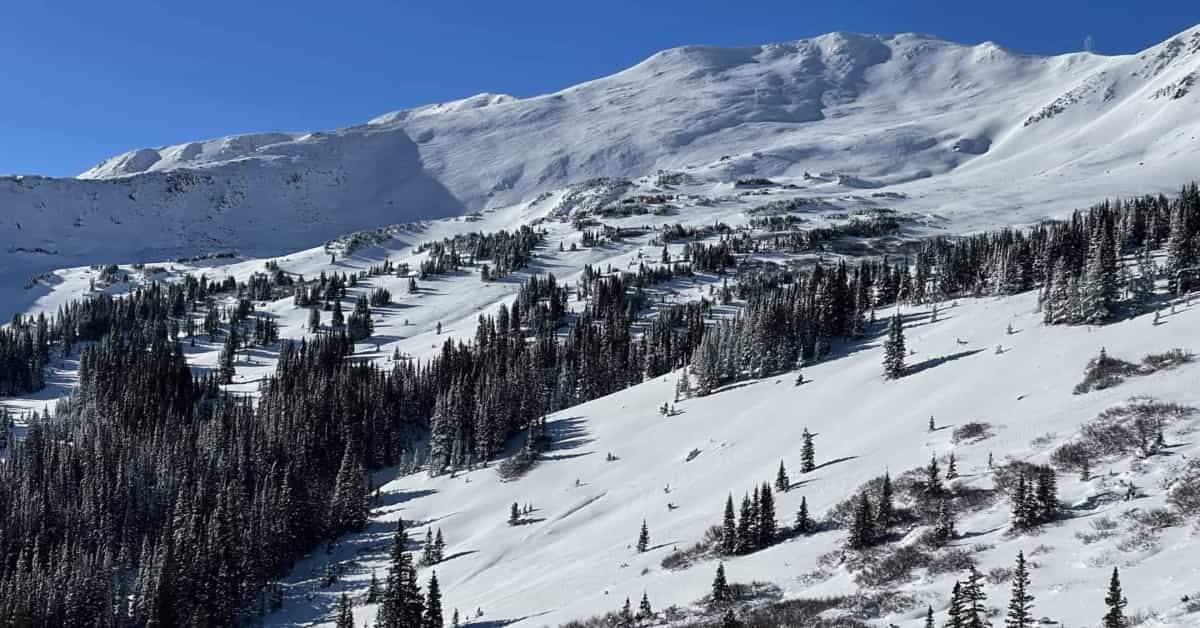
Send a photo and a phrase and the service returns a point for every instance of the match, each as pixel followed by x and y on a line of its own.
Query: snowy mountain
pixel 954 124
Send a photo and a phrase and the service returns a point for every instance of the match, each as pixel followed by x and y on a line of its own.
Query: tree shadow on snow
pixel 833 462
pixel 938 361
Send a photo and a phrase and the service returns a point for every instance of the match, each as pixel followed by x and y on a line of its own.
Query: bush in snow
pixel 1183 492
pixel 972 431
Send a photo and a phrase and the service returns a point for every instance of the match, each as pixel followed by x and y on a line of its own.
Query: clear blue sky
pixel 82 80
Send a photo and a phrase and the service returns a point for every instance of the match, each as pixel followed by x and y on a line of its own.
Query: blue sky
pixel 83 80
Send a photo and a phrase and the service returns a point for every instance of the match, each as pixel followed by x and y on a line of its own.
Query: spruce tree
pixel 782 483
pixel 806 452
pixel 973 601
pixel 1115 602
pixel 1020 608
pixel 345 618
pixel 933 479
pixel 625 615
pixel 894 350
pixel 767 525
pixel 643 541
pixel 804 523
pixel 885 512
pixel 951 468
pixel 956 615
pixel 514 515
pixel 645 613
pixel 943 529
pixel 433 604
pixel 929 623
pixel 721 594
pixel 729 530
pixel 862 528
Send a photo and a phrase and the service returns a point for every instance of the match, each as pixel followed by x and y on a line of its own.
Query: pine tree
pixel 514 515
pixel 433 604
pixel 929 623
pixel 345 618
pixel 1020 608
pixel 643 541
pixel 807 453
pixel 932 426
pixel 1115 602
pixel 729 530
pixel 729 620
pixel 348 507
pixel 746 520
pixel 1023 512
pixel 314 319
pixel 427 549
pixel 402 605
pixel 766 517
pixel 973 601
pixel 894 350
pixel 782 483
pixel 645 613
pixel 625 615
pixel 956 614
pixel 933 480
pixel 862 528
pixel 373 589
pixel 721 594
pixel 885 512
pixel 439 547
pixel 943 529
pixel 804 523
pixel 951 468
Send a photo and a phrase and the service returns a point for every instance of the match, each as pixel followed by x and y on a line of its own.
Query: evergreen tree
pixel 345 618
pixel 645 613
pixel 929 623
pixel 767 525
pixel 951 468
pixel 721 593
pixel 643 541
pixel 729 530
pixel 804 523
pixel 806 452
pixel 314 319
pixel 943 529
pixel 373 589
pixel 439 547
pixel 746 520
pixel 885 512
pixel 973 601
pixel 862 527
pixel 348 507
pixel 401 605
pixel 933 480
pixel 625 617
pixel 433 604
pixel 782 483
pixel 1020 608
pixel 514 515
pixel 1115 602
pixel 956 615
pixel 894 350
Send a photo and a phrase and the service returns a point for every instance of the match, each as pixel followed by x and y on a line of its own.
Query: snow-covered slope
pixel 957 127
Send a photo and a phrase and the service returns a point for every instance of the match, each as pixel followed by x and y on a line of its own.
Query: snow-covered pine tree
pixel 1020 607
pixel 625 615
pixel 955 614
pixel 782 483
pixel 1045 495
pixel 1115 603
pixel 645 612
pixel 974 597
pixel 746 520
pixel 893 349
pixel 806 452
pixel 951 468
pixel 643 541
pixel 348 506
pixel 933 478
pixel 943 528
pixel 929 623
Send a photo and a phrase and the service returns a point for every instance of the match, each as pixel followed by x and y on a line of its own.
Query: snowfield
pixel 577 558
